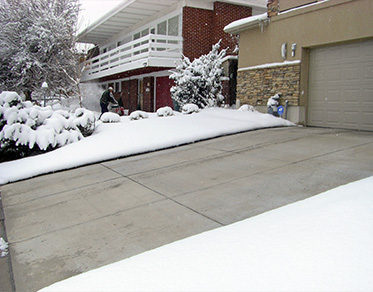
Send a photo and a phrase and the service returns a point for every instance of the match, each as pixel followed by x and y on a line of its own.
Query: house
pixel 318 54
pixel 138 43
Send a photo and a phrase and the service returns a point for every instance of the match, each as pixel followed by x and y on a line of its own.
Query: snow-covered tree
pixel 199 82
pixel 37 44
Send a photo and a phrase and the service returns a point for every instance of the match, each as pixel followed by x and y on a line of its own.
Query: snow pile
pixel 3 247
pixel 165 112
pixel 110 117
pixel 189 108
pixel 323 243
pixel 113 140
pixel 22 124
pixel 84 120
pixel 138 115
pixel 247 108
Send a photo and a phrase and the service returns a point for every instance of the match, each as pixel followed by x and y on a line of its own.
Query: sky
pixel 92 10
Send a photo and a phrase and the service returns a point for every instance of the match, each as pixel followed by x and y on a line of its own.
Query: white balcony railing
pixel 150 50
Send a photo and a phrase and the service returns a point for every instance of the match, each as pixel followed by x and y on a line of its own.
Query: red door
pixel 163 95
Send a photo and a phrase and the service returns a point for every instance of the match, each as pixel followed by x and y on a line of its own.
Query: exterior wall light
pixel 284 50
pixel 293 48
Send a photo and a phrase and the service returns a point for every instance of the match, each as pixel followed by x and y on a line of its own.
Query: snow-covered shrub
pixel 27 130
pixel 110 117
pixel 85 121
pixel 190 108
pixel 247 108
pixel 3 247
pixel 165 112
pixel 138 115
pixel 199 82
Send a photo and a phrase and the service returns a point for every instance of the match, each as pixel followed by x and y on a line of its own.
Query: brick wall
pixel 224 14
pixel 256 86
pixel 197 32
pixel 203 28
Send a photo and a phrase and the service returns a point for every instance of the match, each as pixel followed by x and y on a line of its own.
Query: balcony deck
pixel 149 51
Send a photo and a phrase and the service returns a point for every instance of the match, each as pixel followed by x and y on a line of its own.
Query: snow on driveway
pixel 323 243
pixel 113 140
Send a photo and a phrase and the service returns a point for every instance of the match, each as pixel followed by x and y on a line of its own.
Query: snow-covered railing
pixel 135 54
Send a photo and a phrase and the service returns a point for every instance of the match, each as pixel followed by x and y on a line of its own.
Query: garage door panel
pixel 367 98
pixel 334 75
pixel 341 86
pixel 368 71
pixel 350 118
pixel 353 97
pixel 317 115
pixel 333 97
pixel 367 118
pixel 353 74
pixel 333 117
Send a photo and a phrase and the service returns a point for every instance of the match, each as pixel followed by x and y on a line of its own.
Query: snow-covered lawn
pixel 324 243
pixel 128 137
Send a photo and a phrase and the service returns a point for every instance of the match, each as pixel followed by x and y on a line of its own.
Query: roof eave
pixel 234 28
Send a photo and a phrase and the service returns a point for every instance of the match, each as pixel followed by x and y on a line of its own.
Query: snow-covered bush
pixel 190 108
pixel 110 117
pixel 3 247
pixel 26 129
pixel 138 115
pixel 247 108
pixel 85 121
pixel 165 112
pixel 199 82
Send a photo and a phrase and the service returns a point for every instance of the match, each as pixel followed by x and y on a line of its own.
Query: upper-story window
pixel 171 26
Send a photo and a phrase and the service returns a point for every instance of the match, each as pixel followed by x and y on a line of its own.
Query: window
pixel 173 26
pixel 162 28
pixel 145 32
pixel 117 87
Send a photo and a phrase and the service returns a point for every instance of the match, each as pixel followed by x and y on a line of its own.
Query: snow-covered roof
pixel 132 12
pixel 245 23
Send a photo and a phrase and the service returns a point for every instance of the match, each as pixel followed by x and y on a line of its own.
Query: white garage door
pixel 341 86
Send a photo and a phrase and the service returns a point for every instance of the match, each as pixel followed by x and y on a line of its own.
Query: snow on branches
pixel 37 43
pixel 199 82
pixel 26 129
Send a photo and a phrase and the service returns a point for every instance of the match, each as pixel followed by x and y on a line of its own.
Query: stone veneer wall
pixel 256 85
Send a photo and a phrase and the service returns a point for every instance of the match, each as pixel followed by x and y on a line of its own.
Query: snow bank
pixel 165 112
pixel 323 243
pixel 110 117
pixel 190 108
pixel 138 137
pixel 247 108
pixel 138 115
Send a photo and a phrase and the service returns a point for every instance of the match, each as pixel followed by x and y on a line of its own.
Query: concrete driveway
pixel 65 223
